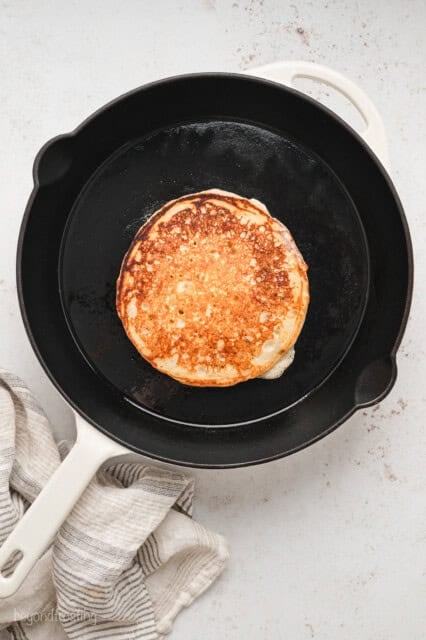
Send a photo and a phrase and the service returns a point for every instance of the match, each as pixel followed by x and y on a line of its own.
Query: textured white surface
pixel 330 543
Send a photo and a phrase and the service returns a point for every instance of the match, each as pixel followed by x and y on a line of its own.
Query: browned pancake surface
pixel 213 290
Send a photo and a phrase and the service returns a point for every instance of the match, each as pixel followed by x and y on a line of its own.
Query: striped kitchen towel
pixel 128 558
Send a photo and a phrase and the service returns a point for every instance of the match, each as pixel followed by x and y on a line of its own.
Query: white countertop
pixel 329 543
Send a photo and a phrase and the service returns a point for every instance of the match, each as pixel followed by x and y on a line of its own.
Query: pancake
pixel 213 290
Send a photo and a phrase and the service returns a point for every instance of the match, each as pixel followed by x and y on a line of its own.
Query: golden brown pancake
pixel 213 290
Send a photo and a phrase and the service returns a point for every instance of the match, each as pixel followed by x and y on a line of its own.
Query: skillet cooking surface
pixel 297 187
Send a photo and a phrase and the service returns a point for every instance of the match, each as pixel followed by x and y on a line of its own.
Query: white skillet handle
pixel 285 72
pixel 38 526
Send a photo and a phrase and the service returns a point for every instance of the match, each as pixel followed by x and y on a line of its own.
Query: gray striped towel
pixel 126 560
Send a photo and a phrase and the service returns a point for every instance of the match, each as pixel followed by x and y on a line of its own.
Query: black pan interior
pixel 251 160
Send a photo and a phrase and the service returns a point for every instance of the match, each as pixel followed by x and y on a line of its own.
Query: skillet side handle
pixel 35 531
pixel 286 72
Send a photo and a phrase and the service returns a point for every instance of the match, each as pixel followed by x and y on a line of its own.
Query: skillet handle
pixel 35 531
pixel 285 72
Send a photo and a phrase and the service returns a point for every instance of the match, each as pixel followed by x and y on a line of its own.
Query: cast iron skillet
pixel 96 186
